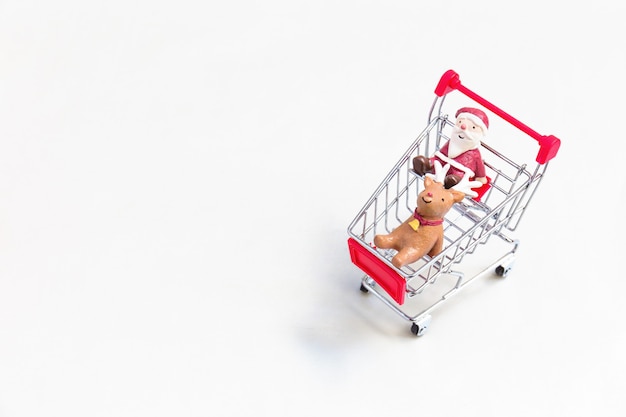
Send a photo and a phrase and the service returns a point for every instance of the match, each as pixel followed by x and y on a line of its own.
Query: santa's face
pixel 465 135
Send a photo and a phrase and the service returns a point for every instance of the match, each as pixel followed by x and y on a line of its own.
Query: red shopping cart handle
pixel 548 145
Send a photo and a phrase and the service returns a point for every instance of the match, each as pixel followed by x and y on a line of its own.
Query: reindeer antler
pixel 465 185
pixel 440 172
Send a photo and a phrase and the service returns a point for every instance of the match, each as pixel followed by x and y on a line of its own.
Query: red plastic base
pixel 482 190
pixel 383 274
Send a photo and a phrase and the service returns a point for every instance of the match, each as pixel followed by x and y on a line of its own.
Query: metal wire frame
pixel 468 225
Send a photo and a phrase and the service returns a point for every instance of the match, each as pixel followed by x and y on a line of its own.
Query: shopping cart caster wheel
pixel 369 281
pixel 419 327
pixel 504 269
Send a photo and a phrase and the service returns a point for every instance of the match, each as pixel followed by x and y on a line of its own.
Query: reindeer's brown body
pixel 414 238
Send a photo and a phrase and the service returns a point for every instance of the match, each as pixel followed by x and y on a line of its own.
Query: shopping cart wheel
pixel 418 328
pixel 502 271
pixel 366 280
pixel 505 267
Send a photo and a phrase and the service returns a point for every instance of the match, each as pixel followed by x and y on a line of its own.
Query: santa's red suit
pixel 469 160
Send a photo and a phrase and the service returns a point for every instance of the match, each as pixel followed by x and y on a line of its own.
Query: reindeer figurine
pixel 422 233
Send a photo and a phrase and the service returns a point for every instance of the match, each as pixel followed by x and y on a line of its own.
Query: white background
pixel 176 180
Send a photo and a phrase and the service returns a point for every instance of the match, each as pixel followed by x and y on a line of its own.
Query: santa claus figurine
pixel 461 152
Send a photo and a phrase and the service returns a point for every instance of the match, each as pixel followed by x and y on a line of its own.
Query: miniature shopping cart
pixel 473 222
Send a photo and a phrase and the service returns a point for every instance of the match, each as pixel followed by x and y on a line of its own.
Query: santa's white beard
pixel 462 141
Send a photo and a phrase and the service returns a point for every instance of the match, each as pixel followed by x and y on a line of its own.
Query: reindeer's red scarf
pixel 420 221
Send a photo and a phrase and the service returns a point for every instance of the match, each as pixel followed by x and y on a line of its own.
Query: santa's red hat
pixel 475 115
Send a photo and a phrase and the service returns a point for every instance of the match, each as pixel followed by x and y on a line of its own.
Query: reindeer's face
pixel 435 201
